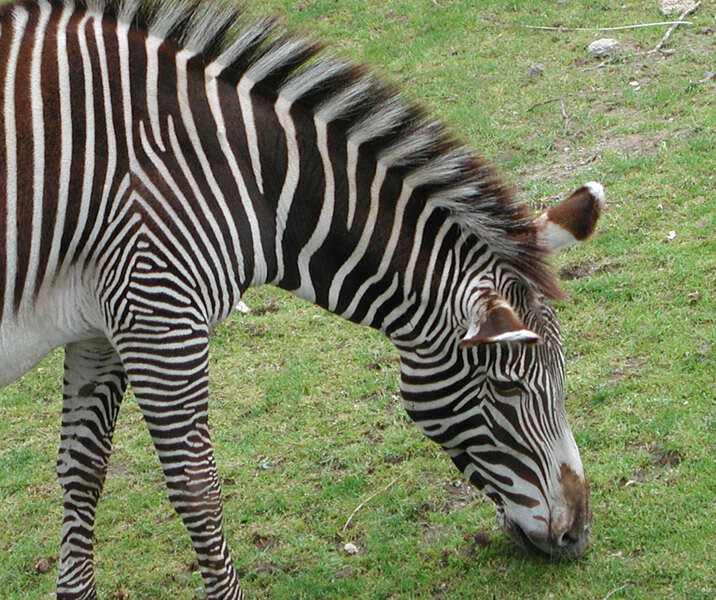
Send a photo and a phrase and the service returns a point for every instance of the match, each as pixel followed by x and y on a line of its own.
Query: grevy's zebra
pixel 153 166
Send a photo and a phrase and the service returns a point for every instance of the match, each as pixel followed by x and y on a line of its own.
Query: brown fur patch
pixel 578 214
pixel 576 494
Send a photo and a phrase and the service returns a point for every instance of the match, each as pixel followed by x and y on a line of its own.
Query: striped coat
pixel 156 161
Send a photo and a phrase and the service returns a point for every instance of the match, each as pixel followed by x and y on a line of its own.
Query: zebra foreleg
pixel 169 375
pixel 94 384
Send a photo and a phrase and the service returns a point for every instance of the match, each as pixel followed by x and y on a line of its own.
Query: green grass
pixel 305 417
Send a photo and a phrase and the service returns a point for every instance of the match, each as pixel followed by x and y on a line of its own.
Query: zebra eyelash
pixel 507 388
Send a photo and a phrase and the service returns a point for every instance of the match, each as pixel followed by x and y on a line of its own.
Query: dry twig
pixel 614 591
pixel 368 499
pixel 681 21
pixel 565 116
pixel 543 103
pixel 638 26
pixel 562 105
pixel 709 77
pixel 604 63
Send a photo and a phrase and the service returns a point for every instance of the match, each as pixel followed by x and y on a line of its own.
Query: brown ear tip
pixel 596 189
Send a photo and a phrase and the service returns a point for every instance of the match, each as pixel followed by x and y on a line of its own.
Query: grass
pixel 305 417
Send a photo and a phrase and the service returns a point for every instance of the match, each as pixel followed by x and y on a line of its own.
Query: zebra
pixel 157 159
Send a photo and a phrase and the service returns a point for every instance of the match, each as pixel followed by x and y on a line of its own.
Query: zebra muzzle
pixel 565 534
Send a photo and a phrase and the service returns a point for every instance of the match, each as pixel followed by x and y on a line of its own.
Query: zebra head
pixel 493 395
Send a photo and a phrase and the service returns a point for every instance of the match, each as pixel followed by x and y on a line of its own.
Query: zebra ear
pixel 573 220
pixel 497 323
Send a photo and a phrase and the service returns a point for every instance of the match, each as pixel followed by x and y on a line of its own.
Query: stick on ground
pixel 638 26
pixel 543 103
pixel 709 77
pixel 368 499
pixel 562 105
pixel 681 21
pixel 614 591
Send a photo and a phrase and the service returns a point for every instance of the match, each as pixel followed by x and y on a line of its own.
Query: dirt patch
pixel 384 359
pixel 478 538
pixel 631 46
pixel 658 466
pixel 119 466
pixel 394 459
pixel 577 270
pixel 254 330
pixel 458 494
pixel 629 368
pixel 665 457
pixel 44 489
pixel 263 541
pixel 580 270
pixel 574 156
pixel 266 309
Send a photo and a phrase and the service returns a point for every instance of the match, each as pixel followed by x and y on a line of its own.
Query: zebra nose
pixel 570 530
pixel 572 541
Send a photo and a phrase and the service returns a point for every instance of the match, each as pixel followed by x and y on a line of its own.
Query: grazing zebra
pixel 156 160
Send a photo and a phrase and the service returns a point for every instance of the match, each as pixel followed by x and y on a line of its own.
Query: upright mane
pixel 444 171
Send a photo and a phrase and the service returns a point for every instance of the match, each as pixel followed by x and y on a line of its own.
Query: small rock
pixel 671 235
pixel 603 47
pixel 242 308
pixel 675 6
pixel 44 565
pixel 693 297
pixel 535 70
pixel 350 548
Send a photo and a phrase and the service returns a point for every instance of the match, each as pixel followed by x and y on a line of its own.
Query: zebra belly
pixel 55 318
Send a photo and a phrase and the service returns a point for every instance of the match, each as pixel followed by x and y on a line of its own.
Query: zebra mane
pixel 295 68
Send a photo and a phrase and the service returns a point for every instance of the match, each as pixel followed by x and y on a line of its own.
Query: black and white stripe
pixel 153 166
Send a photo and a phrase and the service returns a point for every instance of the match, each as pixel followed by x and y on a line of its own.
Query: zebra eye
pixel 508 388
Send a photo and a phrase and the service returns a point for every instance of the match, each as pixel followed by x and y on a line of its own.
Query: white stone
pixel 675 6
pixel 351 548
pixel 602 47
pixel 535 70
pixel 242 308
